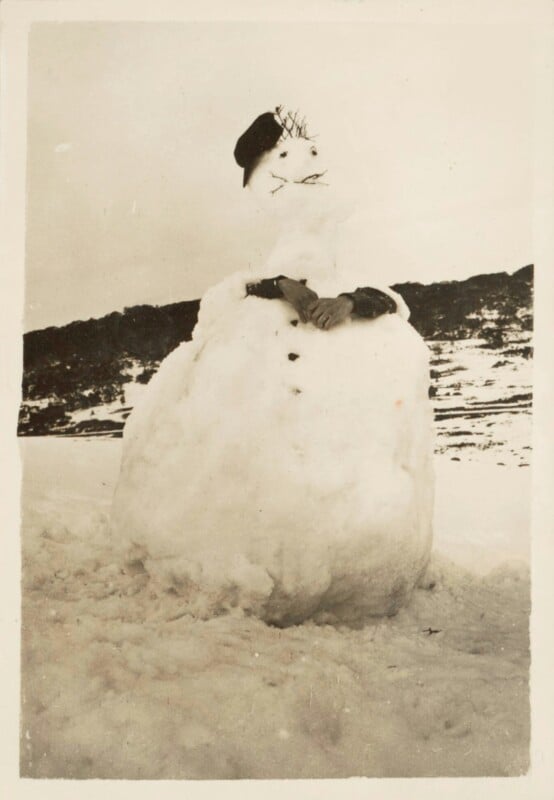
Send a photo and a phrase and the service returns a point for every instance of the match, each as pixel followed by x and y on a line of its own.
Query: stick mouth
pixel 313 178
pixel 310 180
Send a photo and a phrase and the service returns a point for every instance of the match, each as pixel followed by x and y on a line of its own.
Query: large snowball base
pixel 282 469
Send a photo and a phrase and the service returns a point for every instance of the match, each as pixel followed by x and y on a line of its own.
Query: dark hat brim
pixel 248 170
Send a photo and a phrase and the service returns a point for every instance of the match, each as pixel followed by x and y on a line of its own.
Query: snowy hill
pixel 84 378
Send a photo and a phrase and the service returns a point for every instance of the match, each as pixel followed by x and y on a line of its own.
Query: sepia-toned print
pixel 276 401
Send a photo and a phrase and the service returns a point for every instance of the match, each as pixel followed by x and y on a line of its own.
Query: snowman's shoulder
pixel 222 298
pixel 231 287
pixel 402 308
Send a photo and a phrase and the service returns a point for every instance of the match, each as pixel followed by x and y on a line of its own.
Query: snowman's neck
pixel 304 250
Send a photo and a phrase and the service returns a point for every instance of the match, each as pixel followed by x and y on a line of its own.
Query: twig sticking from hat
pixel 291 123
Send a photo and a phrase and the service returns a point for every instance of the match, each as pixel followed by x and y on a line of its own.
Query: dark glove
pixel 268 288
pixel 371 303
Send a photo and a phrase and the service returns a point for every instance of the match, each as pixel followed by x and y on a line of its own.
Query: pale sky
pixel 133 193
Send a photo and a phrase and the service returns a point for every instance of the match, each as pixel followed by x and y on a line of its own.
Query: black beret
pixel 261 136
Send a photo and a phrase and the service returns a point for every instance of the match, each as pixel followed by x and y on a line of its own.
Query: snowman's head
pixel 282 163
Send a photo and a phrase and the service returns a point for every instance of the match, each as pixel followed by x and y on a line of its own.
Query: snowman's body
pixel 281 468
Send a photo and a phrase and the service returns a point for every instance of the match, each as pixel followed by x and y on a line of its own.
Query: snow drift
pixel 117 683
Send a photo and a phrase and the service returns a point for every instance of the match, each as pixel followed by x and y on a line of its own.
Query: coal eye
pixel 314 151
pixel 283 154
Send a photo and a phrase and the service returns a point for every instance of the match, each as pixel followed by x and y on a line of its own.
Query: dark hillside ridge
pixel 458 309
pixel 87 364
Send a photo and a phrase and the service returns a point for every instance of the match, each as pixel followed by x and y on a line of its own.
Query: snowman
pixel 280 463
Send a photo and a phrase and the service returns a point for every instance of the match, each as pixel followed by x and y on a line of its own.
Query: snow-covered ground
pixel 483 400
pixel 118 684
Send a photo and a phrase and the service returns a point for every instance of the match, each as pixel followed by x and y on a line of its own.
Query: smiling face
pixel 292 162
